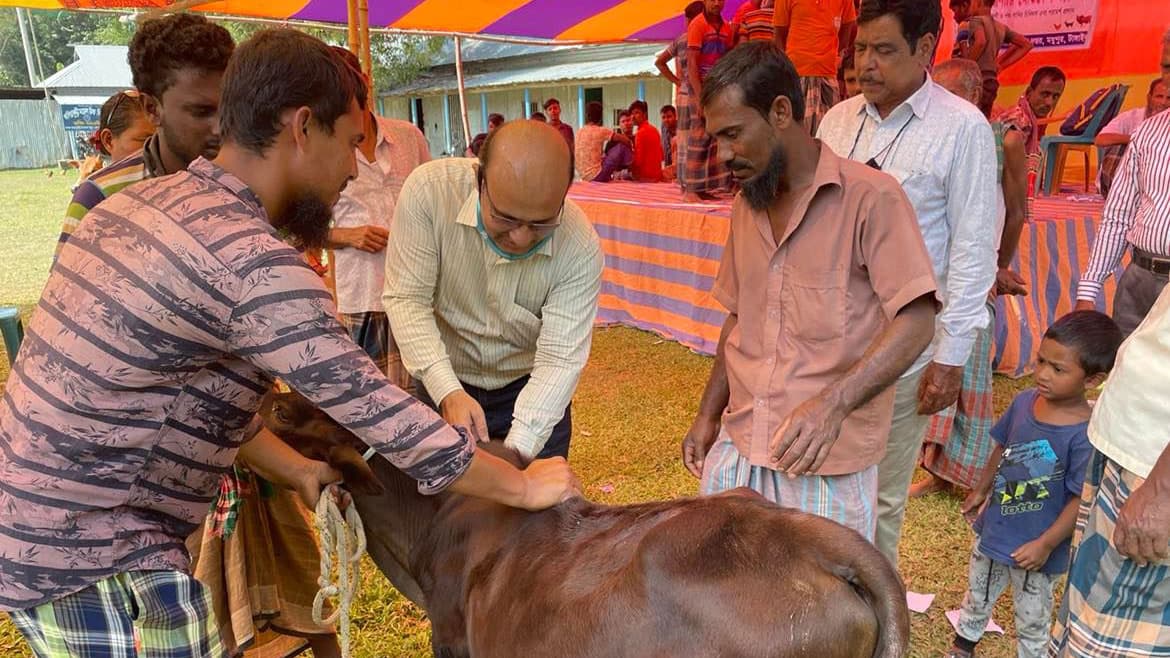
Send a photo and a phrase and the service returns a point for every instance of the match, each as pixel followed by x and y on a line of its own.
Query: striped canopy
pixel 564 20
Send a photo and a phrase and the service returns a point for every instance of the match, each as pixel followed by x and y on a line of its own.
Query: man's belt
pixel 1150 262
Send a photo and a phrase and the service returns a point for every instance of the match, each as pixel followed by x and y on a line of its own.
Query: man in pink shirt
pixel 831 296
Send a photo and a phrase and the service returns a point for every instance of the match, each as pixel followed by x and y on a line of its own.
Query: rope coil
pixel 343 540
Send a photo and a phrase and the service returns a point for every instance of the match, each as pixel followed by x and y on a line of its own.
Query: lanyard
pixel 886 152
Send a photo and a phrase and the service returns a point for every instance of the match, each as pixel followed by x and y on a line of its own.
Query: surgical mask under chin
pixel 492 243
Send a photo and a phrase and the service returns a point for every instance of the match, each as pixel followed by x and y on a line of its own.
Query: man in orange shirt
pixel 647 167
pixel 813 33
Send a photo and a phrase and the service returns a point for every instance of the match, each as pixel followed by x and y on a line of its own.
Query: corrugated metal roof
pixel 623 67
pixel 95 67
pixel 475 50
pixel 591 63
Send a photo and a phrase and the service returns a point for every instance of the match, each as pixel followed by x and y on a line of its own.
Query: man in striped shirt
pixel 492 278
pixel 177 62
pixel 1136 215
pixel 165 320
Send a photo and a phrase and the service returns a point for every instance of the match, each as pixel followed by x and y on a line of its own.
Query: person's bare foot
pixel 692 197
pixel 930 485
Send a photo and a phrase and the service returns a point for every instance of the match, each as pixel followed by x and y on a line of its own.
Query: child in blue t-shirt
pixel 1028 497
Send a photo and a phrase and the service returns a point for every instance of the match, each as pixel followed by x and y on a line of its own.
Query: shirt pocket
pixel 815 303
pixel 521 327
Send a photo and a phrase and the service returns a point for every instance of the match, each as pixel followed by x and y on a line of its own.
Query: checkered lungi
pixel 819 95
pixel 137 614
pixel 958 441
pixel 850 499
pixel 699 166
pixel 371 331
pixel 1112 608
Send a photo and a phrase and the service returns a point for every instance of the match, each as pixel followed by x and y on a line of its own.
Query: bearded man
pixel 830 294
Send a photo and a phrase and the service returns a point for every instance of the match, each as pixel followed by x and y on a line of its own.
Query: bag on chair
pixel 1082 115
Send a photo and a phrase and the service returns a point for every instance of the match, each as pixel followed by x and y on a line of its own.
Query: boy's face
pixel 1059 375
pixel 961 10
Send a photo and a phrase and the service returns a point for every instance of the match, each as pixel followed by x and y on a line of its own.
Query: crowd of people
pixel 877 213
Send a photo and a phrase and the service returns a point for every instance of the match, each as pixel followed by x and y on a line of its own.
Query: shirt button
pixel 759 402
pixel 772 313
pixel 776 267
pixel 771 360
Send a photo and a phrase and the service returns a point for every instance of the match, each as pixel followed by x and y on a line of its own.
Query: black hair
pixel 118 113
pixel 1046 73
pixel 623 113
pixel 277 70
pixel 538 116
pixel 640 105
pixel 495 118
pixel 593 112
pixel 692 10
pixel 918 18
pixel 550 102
pixel 1094 337
pixel 666 107
pixel 1154 85
pixel 163 46
pixel 762 72
pixel 485 154
pixel 847 63
pixel 351 60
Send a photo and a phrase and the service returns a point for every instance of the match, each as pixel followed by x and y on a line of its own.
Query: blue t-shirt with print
pixel 1043 467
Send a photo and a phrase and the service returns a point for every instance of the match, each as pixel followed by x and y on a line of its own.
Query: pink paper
pixel 919 602
pixel 953 617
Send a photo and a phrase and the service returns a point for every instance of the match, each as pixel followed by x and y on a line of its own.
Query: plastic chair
pixel 12 329
pixel 1056 147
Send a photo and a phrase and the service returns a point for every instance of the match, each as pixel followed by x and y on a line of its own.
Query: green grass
pixel 635 401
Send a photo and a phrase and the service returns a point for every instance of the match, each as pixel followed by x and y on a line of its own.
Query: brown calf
pixel 727 575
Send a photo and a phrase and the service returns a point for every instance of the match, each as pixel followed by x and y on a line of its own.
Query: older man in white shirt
pixel 492 280
pixel 942 151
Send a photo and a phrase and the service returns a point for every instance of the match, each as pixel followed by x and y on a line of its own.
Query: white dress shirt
pixel 369 200
pixel 942 151
pixel 1137 211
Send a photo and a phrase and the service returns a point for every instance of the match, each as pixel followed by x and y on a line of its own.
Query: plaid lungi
pixel 1112 608
pixel 371 332
pixel 850 499
pixel 137 614
pixel 958 441
pixel 819 95
pixel 699 166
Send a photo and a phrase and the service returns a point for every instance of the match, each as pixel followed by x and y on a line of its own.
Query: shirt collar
pixel 467 217
pixel 828 173
pixel 152 157
pixel 207 170
pixel 919 103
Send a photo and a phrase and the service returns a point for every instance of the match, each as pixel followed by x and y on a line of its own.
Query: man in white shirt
pixel 942 151
pixel 1114 137
pixel 390 150
pixel 1137 217
pixel 492 279
pixel 1118 592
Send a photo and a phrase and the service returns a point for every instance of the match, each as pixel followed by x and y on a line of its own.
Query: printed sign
pixel 1050 24
pixel 81 117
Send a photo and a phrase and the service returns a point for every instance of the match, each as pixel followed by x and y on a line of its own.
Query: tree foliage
pixel 398 58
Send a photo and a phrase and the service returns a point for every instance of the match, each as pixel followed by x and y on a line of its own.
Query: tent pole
pixel 462 91
pixel 351 27
pixel 364 38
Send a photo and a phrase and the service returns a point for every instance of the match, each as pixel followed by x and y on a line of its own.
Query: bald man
pixel 492 278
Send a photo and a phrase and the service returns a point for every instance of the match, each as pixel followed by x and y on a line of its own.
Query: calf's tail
pixel 877 582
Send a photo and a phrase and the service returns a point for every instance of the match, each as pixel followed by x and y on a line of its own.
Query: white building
pixel 516 80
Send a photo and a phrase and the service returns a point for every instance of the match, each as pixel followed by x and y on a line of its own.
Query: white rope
pixel 342 540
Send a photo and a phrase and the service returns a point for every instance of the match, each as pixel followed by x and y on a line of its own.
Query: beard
pixel 305 220
pixel 762 189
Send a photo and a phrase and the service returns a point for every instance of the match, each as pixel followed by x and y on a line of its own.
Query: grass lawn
pixel 635 401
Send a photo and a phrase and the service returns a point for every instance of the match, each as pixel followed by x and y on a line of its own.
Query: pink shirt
pixel 809 306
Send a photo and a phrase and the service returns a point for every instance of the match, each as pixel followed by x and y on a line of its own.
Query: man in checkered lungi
pixel 1115 604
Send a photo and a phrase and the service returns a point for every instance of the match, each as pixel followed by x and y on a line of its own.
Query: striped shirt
pixel 461 313
pixel 144 164
pixel 1137 211
pixel 165 320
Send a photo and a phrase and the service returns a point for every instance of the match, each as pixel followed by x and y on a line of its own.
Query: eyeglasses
pixel 540 228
